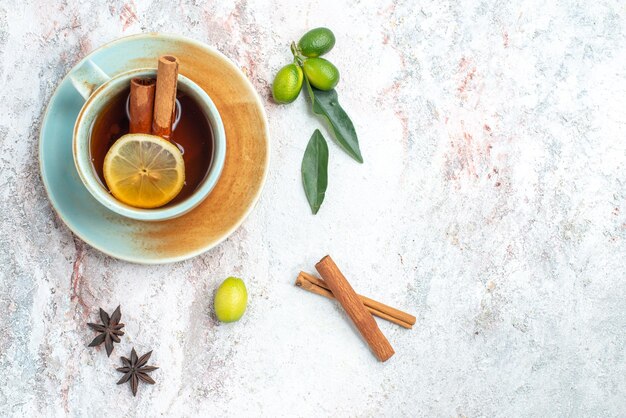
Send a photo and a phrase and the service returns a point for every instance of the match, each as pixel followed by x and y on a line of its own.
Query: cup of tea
pixel 198 133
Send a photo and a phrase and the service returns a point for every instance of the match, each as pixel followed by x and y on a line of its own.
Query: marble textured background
pixel 492 204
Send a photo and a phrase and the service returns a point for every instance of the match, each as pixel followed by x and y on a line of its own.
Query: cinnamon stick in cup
pixel 141 105
pixel 355 309
pixel 165 97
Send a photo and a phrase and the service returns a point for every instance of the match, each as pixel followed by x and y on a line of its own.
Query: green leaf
pixel 315 170
pixel 326 104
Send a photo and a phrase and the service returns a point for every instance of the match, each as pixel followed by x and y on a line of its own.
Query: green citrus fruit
pixel 316 42
pixel 287 84
pixel 321 73
pixel 230 300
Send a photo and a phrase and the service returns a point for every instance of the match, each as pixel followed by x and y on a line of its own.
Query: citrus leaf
pixel 315 170
pixel 326 104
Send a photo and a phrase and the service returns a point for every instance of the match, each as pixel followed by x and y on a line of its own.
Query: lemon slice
pixel 144 171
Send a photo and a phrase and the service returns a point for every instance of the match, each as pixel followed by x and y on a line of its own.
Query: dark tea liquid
pixel 193 136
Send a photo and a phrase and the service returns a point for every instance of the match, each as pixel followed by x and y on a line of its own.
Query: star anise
pixel 110 330
pixel 135 369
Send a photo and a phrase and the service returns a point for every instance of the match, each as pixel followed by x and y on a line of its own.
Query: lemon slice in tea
pixel 144 171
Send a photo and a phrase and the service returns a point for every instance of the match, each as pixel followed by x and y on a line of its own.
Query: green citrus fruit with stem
pixel 230 300
pixel 316 42
pixel 287 84
pixel 321 73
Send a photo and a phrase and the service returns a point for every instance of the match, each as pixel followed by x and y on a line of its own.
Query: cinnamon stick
pixel 355 309
pixel 165 97
pixel 303 281
pixel 141 105
pixel 407 319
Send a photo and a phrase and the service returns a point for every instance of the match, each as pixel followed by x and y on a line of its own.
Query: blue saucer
pixel 156 242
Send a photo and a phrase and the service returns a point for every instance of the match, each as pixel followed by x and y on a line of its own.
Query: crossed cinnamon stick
pixel 318 286
pixel 359 308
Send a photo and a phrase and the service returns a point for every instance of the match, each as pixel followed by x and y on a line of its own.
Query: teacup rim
pixel 90 180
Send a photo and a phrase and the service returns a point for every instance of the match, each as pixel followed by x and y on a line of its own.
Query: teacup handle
pixel 88 78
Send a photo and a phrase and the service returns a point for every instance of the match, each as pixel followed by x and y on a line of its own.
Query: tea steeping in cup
pixel 143 169
pixel 191 161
